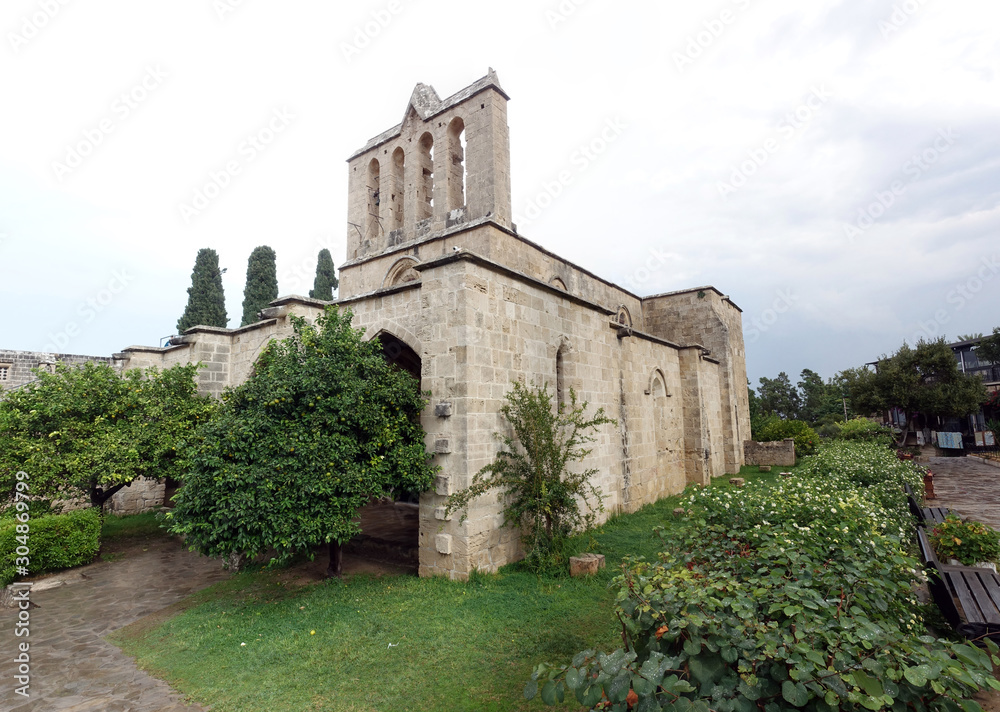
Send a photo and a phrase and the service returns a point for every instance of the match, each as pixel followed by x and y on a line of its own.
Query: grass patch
pixel 132 527
pixel 393 642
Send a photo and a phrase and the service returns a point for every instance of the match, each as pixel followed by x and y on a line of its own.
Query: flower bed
pixel 774 597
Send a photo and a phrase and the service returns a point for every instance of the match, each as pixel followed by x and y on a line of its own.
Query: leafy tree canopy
pixel 323 426
pixel 89 431
pixel 206 301
pixel 779 397
pixel 921 379
pixel 262 283
pixel 326 277
pixel 989 348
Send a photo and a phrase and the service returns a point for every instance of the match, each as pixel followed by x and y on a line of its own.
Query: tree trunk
pixel 336 567
pixel 906 431
pixel 99 496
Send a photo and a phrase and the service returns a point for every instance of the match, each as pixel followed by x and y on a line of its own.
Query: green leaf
pixel 549 693
pixel 706 668
pixel 617 691
pixel 871 686
pixel 531 689
pixel 573 678
pixel 795 693
pixel 916 676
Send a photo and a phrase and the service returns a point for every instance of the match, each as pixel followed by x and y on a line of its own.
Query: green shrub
pixel 866 430
pixel 828 431
pixel 540 495
pixel 777 598
pixel 805 437
pixel 55 542
pixel 970 542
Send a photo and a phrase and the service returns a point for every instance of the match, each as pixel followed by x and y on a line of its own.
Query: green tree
pixel 206 302
pixel 322 426
pixel 921 379
pixel 812 396
pixel 989 348
pixel 326 277
pixel 262 283
pixel 779 397
pixel 89 431
pixel 540 495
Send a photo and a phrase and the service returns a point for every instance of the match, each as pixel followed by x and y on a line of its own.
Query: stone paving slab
pixel 967 485
pixel 73 669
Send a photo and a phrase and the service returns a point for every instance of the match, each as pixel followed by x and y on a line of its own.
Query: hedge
pixel 54 542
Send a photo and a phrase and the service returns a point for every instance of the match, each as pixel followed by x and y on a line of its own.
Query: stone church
pixel 436 270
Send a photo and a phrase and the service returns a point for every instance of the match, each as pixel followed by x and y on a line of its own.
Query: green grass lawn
pixel 390 643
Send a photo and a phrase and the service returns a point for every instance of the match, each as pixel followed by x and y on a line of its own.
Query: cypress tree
pixel 206 301
pixel 262 283
pixel 326 277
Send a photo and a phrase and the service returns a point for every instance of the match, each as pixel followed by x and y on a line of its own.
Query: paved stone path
pixel 72 668
pixel 967 485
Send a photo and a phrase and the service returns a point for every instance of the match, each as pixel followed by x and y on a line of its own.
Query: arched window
pixel 373 226
pixel 561 395
pixel 401 272
pixel 456 164
pixel 425 179
pixel 396 190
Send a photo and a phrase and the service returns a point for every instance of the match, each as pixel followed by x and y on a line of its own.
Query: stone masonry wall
pixel 19 364
pixel 143 495
pixel 781 453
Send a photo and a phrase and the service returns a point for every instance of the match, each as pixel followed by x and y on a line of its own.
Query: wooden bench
pixel 969 597
pixel 923 515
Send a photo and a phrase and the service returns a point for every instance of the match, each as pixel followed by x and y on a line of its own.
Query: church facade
pixel 437 271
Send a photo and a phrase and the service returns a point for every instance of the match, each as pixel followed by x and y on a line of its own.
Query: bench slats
pixel 977 592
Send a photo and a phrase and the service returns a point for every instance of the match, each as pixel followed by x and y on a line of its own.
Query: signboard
pixel 950 440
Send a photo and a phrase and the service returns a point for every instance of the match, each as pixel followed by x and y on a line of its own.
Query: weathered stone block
pixel 738 481
pixel 585 564
pixel 442 543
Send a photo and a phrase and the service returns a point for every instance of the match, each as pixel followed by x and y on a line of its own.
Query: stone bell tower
pixel 446 164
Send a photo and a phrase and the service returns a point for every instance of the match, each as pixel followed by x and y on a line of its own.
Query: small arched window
pixel 425 178
pixel 374 225
pixel 456 164
pixel 396 189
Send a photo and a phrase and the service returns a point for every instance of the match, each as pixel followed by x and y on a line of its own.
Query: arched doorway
pixel 390 528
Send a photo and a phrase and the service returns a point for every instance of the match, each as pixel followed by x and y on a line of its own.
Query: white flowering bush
pixel 772 597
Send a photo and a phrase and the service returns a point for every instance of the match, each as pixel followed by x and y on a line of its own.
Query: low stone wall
pixel 780 452
pixel 143 495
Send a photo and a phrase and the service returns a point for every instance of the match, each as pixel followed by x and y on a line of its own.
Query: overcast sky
pixel 834 167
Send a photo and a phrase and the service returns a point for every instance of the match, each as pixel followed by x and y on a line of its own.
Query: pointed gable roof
pixel 425 103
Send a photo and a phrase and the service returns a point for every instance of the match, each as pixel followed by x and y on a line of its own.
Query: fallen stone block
pixel 679 512
pixel 585 564
pixel 764 468
pixel 738 481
